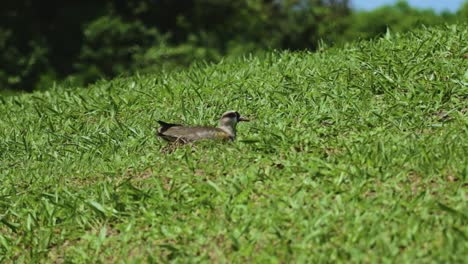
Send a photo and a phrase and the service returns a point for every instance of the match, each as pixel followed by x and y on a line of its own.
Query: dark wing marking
pixel 164 127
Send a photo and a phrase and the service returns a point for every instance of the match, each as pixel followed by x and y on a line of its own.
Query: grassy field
pixel 354 155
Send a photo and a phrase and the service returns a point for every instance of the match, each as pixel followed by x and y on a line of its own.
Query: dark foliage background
pixel 77 42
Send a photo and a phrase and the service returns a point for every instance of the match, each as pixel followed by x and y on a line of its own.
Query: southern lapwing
pixel 184 134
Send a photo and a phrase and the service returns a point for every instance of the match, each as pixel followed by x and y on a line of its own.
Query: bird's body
pixel 178 132
pixel 184 134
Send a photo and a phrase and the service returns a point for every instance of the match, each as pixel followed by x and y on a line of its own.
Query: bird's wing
pixel 174 133
pixel 162 131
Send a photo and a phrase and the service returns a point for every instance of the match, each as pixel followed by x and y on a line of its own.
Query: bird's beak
pixel 245 119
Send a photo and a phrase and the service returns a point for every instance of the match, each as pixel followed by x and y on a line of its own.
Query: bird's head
pixel 231 118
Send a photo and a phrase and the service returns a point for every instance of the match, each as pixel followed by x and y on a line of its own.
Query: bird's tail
pixel 165 126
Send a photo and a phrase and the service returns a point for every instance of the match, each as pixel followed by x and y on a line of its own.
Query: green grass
pixel 354 155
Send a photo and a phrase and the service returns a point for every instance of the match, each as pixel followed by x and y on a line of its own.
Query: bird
pixel 185 134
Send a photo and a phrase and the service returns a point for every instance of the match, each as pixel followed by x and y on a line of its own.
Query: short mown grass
pixel 354 155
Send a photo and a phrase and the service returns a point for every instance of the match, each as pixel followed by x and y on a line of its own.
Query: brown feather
pixel 189 134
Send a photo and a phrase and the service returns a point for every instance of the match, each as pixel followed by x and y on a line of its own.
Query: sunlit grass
pixel 355 155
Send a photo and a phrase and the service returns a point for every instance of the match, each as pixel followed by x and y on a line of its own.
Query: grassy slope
pixel 355 154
